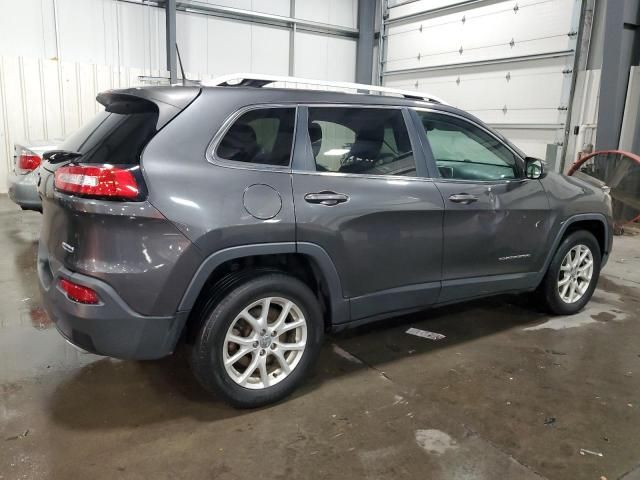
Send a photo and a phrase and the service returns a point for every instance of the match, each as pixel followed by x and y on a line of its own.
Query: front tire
pixel 259 342
pixel 572 275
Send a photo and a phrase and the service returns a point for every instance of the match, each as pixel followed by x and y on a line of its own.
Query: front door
pixel 361 194
pixel 496 221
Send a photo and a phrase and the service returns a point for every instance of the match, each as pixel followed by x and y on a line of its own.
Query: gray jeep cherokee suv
pixel 248 221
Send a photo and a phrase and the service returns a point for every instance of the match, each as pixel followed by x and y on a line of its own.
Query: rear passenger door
pixel 361 194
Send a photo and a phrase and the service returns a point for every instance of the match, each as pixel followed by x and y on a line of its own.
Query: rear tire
pixel 258 343
pixel 572 275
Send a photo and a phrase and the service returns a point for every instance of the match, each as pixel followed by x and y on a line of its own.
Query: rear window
pixel 366 141
pixel 263 136
pixel 115 138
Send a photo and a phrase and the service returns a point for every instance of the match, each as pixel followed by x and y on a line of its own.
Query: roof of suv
pixel 240 96
pixel 298 95
pixel 177 95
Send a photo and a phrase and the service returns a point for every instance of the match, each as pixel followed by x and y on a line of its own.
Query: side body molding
pixel 339 304
pixel 459 290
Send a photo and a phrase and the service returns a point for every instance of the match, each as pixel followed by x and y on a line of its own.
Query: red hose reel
pixel 618 170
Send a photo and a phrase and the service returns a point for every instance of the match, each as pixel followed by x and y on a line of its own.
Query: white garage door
pixel 510 63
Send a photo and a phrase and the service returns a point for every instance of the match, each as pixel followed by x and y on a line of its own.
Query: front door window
pixel 463 151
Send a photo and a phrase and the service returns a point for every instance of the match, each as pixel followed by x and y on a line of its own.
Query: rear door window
pixel 366 141
pixel 261 136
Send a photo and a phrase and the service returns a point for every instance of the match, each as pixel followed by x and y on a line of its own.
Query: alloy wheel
pixel 265 342
pixel 575 273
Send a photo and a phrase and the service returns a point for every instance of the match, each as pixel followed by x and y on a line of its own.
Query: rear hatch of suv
pixel 97 220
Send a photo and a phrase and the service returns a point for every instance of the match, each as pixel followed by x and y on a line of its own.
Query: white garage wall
pixel 113 32
pixel 333 12
pixel 324 57
pixel 49 76
pixel 48 99
pixel 507 62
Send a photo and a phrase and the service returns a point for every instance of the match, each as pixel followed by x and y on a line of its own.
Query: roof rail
pixel 259 80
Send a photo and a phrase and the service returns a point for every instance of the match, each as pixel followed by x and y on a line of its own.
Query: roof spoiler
pixel 167 101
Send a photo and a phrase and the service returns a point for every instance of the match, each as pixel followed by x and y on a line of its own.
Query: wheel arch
pixel 593 226
pixel 312 263
pixel 595 223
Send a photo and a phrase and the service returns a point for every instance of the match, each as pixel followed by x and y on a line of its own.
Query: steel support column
pixel 620 52
pixel 366 38
pixel 292 39
pixel 172 59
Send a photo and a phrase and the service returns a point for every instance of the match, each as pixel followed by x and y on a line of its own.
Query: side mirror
pixel 534 168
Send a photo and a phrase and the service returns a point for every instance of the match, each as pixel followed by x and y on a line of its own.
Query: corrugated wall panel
pixel 132 34
pixel 45 99
pixel 13 121
pixel 334 12
pixel 324 57
pixel 191 36
pixel 51 88
pixel 222 33
pixel 33 106
pixel 85 40
pixel 15 118
pixel 269 50
pixel 15 17
pixel 49 78
pixel 275 7
pixel 70 96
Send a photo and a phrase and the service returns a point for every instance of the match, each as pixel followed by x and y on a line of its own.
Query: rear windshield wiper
pixel 57 156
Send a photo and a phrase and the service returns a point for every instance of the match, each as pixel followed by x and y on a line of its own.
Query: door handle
pixel 326 198
pixel 464 198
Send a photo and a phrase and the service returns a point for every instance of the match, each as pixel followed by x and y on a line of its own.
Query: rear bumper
pixel 110 328
pixel 23 190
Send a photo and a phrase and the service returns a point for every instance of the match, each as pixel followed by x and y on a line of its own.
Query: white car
pixel 23 177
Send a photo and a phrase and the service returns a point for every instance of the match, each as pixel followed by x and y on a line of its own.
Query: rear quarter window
pixel 261 136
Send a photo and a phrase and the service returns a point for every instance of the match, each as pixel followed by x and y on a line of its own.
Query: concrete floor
pixel 508 394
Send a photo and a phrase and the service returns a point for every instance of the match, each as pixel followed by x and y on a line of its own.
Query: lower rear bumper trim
pixel 110 328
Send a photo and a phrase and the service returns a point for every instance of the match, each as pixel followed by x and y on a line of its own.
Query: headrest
pixel 239 143
pixel 368 143
pixel 315 135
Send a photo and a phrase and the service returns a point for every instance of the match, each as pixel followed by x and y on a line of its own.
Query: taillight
pixel 97 181
pixel 78 293
pixel 27 162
